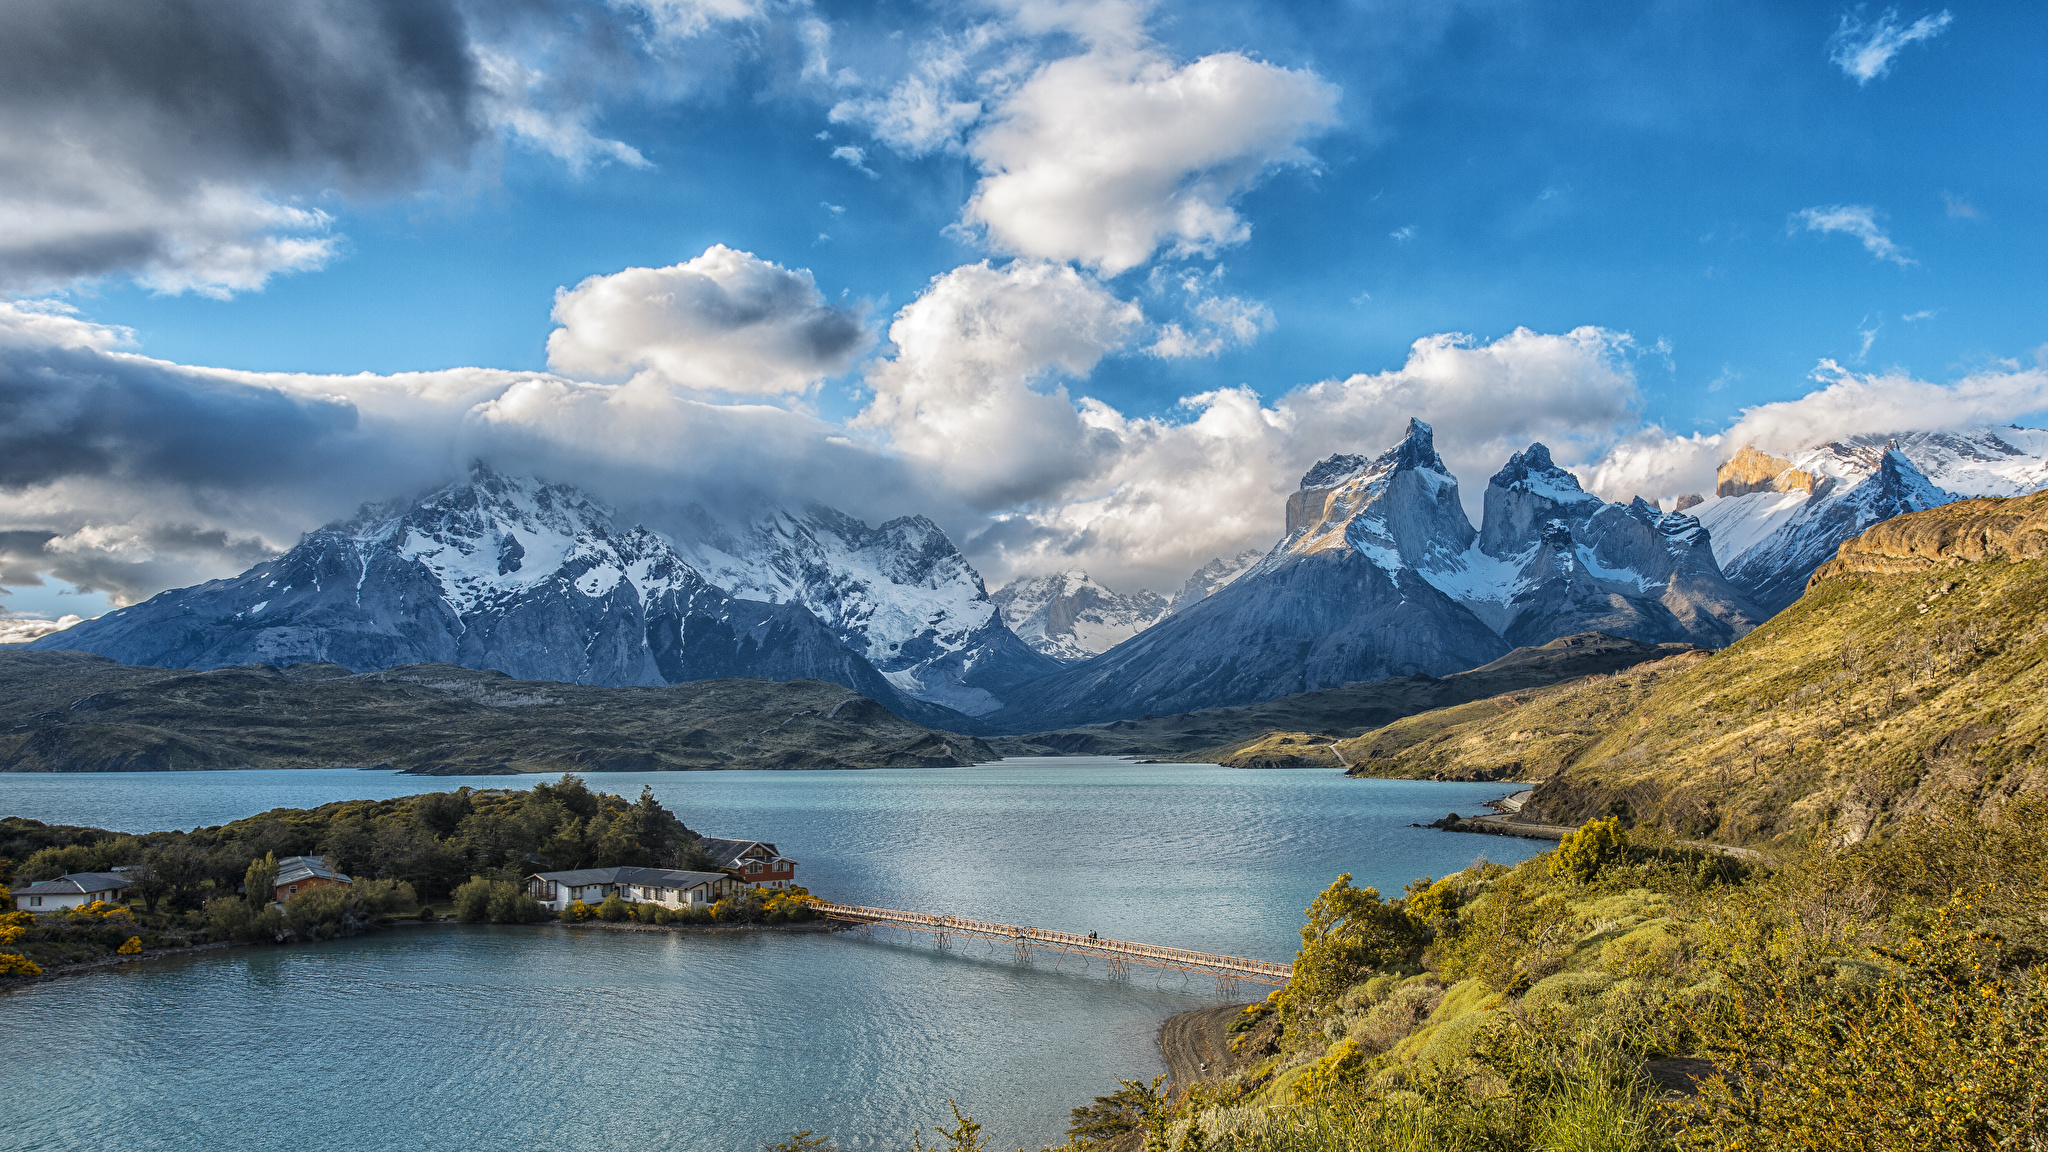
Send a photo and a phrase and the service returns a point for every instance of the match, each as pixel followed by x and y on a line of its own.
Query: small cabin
pixel 74 890
pixel 755 862
pixel 669 887
pixel 296 874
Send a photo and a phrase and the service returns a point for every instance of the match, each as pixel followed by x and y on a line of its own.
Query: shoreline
pixel 1196 1044
pixel 83 967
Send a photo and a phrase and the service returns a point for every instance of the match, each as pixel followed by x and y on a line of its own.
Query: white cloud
pixel 21 630
pixel 1106 157
pixel 684 18
pixel 931 106
pixel 517 105
pixel 1858 220
pixel 1864 52
pixel 972 391
pixel 726 321
pixel 1403 234
pixel 1215 323
pixel 1173 494
pixel 855 158
pixel 1657 463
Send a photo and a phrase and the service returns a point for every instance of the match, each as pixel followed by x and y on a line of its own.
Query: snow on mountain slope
pixel 1213 577
pixel 1069 616
pixel 1381 574
pixel 901 595
pixel 531 579
pixel 1982 461
pixel 1775 520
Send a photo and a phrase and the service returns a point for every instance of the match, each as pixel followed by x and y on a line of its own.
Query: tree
pixel 1349 932
pixel 801 1142
pixel 964 1136
pixel 1132 1106
pixel 259 883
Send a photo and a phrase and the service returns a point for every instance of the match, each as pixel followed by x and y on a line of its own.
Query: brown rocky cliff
pixel 1966 532
pixel 1752 471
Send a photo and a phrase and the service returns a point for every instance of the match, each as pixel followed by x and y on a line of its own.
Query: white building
pixel 666 886
pixel 74 890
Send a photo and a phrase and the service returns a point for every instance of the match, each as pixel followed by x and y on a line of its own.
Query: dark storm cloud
pixel 178 139
pixel 68 413
pixel 369 91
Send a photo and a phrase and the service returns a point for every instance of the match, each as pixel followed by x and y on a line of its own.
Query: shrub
pixel 309 912
pixel 426 912
pixel 511 904
pixel 472 900
pixel 229 917
pixel 1581 855
pixel 15 964
pixel 132 948
pixel 577 912
pixel 613 909
pixel 480 901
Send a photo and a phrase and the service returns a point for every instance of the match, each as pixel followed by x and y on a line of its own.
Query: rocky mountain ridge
pixel 1381 575
pixel 531 579
pixel 1070 616
pixel 900 595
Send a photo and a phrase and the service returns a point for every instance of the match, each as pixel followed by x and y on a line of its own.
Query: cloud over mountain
pixel 725 321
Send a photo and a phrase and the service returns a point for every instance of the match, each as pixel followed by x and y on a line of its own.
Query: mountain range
pixel 1380 574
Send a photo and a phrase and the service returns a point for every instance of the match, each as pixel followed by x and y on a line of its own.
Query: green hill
pixel 1909 677
pixel 74 712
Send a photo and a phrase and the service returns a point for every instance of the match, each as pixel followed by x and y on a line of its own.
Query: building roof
pixel 292 869
pixel 76 884
pixel 731 853
pixel 652 877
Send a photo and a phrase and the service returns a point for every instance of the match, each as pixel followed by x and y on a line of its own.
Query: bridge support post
pixel 1119 967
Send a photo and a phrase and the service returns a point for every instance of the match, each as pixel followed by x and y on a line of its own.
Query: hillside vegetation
pixel 1632 995
pixel 74 712
pixel 1310 721
pixel 1910 676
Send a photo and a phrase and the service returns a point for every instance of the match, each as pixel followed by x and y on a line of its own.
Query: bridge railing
pixel 1260 970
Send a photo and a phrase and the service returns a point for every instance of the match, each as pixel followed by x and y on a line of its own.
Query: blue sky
pixel 1633 166
pixel 1729 192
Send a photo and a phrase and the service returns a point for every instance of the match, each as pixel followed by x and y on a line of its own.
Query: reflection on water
pixel 521 1038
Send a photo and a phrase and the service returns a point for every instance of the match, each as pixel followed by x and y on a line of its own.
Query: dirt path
pixel 1195 1044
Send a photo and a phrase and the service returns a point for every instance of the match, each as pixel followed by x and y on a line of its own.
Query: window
pixel 35 901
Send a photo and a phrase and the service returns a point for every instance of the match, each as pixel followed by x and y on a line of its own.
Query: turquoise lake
pixel 481 1038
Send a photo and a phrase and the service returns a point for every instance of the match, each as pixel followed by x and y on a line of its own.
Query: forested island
pixel 462 854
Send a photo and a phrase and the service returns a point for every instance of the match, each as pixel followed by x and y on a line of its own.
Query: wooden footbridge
pixel 1119 954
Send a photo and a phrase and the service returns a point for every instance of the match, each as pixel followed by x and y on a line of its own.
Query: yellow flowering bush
pixel 15 964
pixel 133 947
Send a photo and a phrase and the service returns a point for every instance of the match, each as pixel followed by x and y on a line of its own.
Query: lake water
pixel 543 1037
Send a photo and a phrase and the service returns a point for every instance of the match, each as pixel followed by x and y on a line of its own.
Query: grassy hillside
pixel 1909 676
pixel 1312 720
pixel 1639 997
pixel 74 712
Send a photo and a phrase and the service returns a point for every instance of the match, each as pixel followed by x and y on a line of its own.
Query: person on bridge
pixel 1091 935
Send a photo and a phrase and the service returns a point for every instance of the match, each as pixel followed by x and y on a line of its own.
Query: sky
pixel 1088 283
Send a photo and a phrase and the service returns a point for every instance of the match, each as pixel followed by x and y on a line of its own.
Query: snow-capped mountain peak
pixel 900 594
pixel 1399 510
pixel 1071 616
pixel 1774 520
